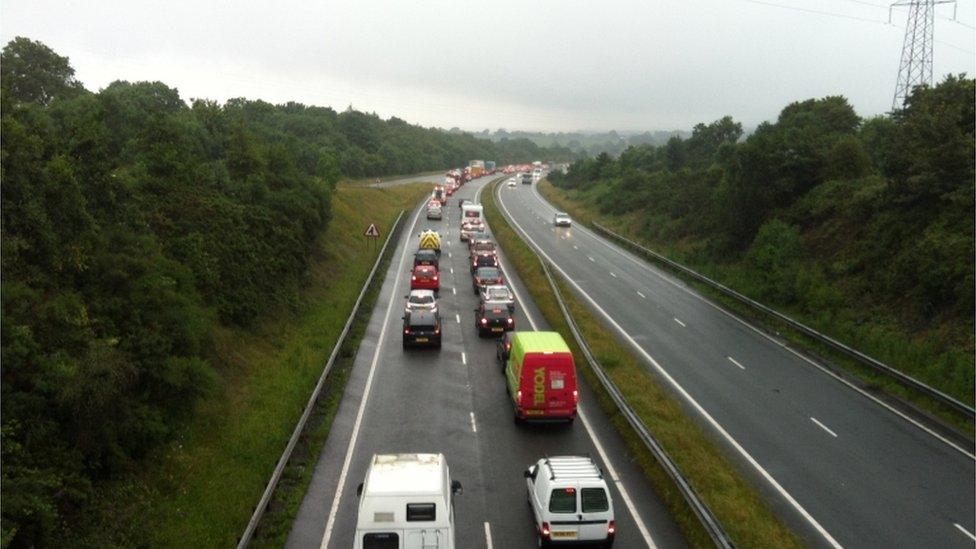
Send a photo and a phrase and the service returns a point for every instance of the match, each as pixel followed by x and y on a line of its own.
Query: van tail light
pixel 484 320
pixel 413 278
pixel 611 528
pixel 575 396
pixel 406 331
pixel 435 278
pixel 437 331
pixel 518 395
pixel 511 320
pixel 545 530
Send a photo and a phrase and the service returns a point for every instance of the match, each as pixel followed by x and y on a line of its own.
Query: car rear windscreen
pixel 594 500
pixel 496 314
pixel 488 273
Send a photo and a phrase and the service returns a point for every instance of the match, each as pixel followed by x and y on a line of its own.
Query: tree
pixel 33 73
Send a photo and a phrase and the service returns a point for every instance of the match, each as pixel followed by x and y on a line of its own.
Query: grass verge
pixel 200 490
pixel 745 516
pixel 903 354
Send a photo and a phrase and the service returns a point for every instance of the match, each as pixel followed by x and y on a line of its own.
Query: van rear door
pixel 595 512
pixel 560 381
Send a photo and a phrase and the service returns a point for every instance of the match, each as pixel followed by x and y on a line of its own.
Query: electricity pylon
pixel 917 51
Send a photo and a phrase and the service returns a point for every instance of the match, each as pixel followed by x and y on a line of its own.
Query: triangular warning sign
pixel 372 230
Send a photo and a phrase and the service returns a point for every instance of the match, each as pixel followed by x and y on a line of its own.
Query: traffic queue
pixel 568 495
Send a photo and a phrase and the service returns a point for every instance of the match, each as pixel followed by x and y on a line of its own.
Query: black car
pixel 483 260
pixel 426 257
pixel 493 320
pixel 503 347
pixel 422 328
pixel 486 276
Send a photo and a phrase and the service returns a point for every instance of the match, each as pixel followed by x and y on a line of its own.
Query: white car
pixel 511 183
pixel 421 300
pixel 570 502
pixel 498 294
pixel 561 219
pixel 434 210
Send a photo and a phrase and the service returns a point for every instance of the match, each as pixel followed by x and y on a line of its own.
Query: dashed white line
pixel 961 529
pixel 575 247
pixel 474 426
pixel 683 325
pixel 613 274
pixel 452 270
pixel 590 257
pixel 642 295
pixel 733 361
pixel 449 256
pixel 464 358
pixel 824 427
pixel 454 291
pixel 488 536
pixel 458 317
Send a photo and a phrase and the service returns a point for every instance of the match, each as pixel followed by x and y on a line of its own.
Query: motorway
pixel 429 178
pixel 454 401
pixel 842 468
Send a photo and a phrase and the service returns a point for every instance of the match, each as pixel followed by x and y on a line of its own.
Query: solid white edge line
pixel 688 398
pixel 679 322
pixel 822 426
pixel 626 255
pixel 638 520
pixel 488 535
pixel 964 531
pixel 330 524
pixel 474 426
pixel 733 361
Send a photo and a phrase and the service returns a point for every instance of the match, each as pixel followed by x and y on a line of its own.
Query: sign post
pixel 371 233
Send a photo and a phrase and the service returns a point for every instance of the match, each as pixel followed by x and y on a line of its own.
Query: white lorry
pixel 406 502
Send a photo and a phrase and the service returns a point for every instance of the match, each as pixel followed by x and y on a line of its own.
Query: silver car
pixel 498 294
pixel 421 300
pixel 561 219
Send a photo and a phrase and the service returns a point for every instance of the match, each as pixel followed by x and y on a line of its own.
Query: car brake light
pixel 611 528
pixel 435 278
pixel 413 278
pixel 406 330
pixel 484 320
pixel 437 331
pixel 511 320
pixel 575 396
pixel 545 530
pixel 518 395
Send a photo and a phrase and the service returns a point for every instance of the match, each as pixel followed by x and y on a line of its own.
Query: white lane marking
pixel 330 524
pixel 643 265
pixel 642 295
pixel 824 427
pixel 488 535
pixel 591 258
pixel 575 247
pixel 474 426
pixel 679 322
pixel 449 256
pixel 452 270
pixel 681 390
pixel 454 291
pixel 613 274
pixel 648 540
pixel 464 358
pixel 458 317
pixel 733 361
pixel 961 529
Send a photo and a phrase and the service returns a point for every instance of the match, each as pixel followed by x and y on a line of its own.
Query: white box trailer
pixel 406 503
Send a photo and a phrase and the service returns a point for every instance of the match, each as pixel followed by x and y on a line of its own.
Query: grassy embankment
pixel 200 491
pixel 913 355
pixel 746 517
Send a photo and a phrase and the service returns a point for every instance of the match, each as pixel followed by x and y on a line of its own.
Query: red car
pixel 425 277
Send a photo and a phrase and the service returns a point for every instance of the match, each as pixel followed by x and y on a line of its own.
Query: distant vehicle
pixel 490 166
pixel 486 276
pixel 406 501
pixel 430 240
pixel 483 260
pixel 425 277
pixel 438 193
pixel 449 189
pixel 472 230
pixel 561 219
pixel 421 300
pixel 462 202
pixel 422 328
pixel 570 502
pixel 526 178
pixel 511 183
pixel 434 210
pixel 472 212
pixel 502 349
pixel 493 320
pixel 498 294
pixel 426 257
pixel 541 376
pixel 537 174
pixel 482 246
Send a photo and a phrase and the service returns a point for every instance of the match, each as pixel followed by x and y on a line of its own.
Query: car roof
pixel 421 316
pixel 421 293
pixel 488 269
pixel 425 268
pixel 573 468
pixel 497 287
pixel 406 474
pixel 425 251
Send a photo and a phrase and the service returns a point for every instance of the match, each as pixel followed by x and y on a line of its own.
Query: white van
pixel 570 501
pixel 406 503
pixel 472 212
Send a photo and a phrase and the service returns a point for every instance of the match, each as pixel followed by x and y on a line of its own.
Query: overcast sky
pixel 553 65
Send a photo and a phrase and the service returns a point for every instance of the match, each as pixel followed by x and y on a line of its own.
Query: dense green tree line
pixel 821 211
pixel 133 225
